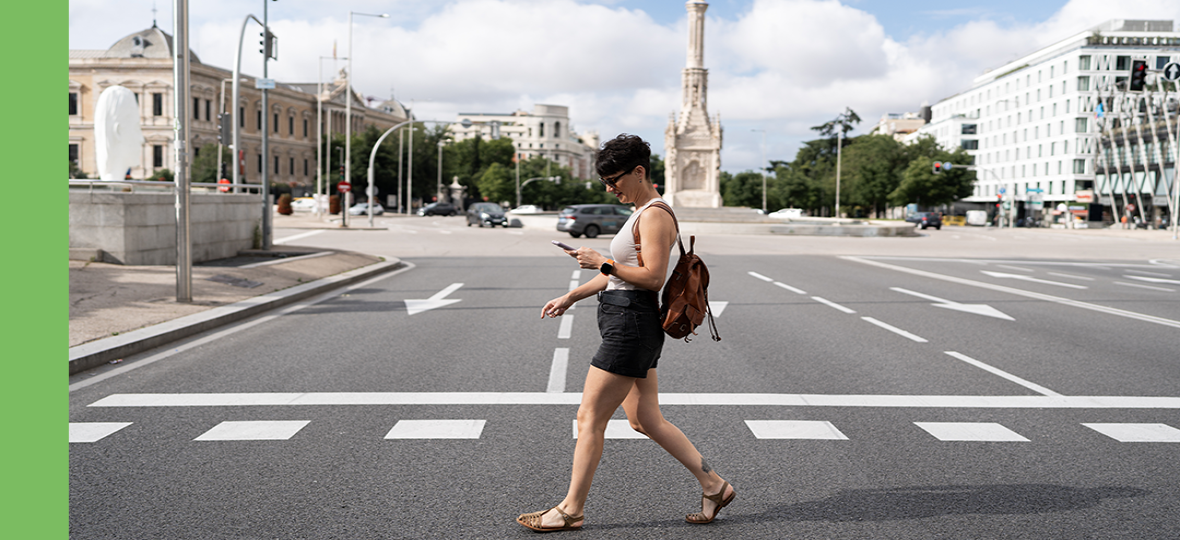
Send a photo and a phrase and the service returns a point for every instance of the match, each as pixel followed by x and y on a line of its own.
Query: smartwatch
pixel 607 267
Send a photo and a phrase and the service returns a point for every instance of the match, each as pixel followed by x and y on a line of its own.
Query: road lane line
pixel 1024 293
pixel 795 429
pixel 567 327
pixel 832 304
pixel 234 329
pixel 1071 276
pixel 1138 432
pixel 298 236
pixel 996 371
pixel 576 275
pixel 1002 275
pixel 88 432
pixel 436 429
pixel 1144 286
pixel 1156 274
pixel 790 288
pixel 895 330
pixel 760 276
pixel 557 370
pixel 970 431
pixel 574 284
pixel 1017 268
pixel 270 399
pixel 1155 280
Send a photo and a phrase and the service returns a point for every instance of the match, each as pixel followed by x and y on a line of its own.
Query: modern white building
pixel 1030 124
pixel 545 132
pixel 900 125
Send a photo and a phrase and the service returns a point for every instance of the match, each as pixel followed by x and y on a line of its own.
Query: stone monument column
pixel 692 140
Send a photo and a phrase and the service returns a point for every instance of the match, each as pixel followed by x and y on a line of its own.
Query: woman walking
pixel 623 371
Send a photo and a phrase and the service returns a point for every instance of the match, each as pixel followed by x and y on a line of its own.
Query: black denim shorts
pixel 632 335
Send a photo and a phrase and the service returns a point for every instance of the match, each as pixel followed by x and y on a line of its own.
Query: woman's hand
pixel 557 306
pixel 588 258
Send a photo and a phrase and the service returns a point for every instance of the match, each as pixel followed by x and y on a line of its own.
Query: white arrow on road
pixel 438 300
pixel 1154 279
pixel 978 309
pixel 717 307
pixel 1002 275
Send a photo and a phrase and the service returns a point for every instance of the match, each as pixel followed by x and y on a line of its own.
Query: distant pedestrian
pixel 623 371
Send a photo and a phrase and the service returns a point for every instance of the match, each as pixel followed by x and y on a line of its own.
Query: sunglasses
pixel 615 180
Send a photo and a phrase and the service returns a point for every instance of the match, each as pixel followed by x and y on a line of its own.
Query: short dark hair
pixel 623 153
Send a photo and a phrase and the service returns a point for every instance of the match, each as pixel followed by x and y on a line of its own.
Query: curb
pixel 96 353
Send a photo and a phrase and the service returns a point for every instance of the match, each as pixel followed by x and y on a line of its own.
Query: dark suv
pixel 486 213
pixel 926 219
pixel 592 219
pixel 438 209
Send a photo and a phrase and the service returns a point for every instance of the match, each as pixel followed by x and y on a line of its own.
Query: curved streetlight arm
pixel 373 153
pixel 554 179
pixel 237 95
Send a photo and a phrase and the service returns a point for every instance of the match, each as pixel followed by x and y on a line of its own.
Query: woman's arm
pixel 557 306
pixel 657 231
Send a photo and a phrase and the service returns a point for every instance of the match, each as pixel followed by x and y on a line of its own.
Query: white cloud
pixel 781 65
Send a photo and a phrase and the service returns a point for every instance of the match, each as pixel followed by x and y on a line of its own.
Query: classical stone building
pixel 545 132
pixel 142 63
pixel 693 140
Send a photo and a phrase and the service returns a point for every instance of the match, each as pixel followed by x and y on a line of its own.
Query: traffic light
pixel 225 129
pixel 937 167
pixel 1138 75
pixel 270 45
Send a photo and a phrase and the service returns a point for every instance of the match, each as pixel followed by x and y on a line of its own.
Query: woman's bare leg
pixel 601 395
pixel 642 406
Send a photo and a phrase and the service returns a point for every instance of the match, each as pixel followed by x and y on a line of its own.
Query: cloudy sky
pixel 774 65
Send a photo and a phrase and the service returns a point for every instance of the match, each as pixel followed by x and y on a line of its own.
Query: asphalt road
pixel 863 388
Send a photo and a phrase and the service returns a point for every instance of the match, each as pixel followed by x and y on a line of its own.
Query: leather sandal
pixel 700 518
pixel 533 521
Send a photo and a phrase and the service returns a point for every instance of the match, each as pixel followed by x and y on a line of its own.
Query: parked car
pixel 787 213
pixel 486 213
pixel 926 219
pixel 303 204
pixel 362 209
pixel 438 209
pixel 592 219
pixel 527 209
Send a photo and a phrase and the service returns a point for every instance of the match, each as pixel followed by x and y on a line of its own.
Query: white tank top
pixel 622 248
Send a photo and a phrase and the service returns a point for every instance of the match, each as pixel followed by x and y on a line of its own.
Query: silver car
pixel 592 219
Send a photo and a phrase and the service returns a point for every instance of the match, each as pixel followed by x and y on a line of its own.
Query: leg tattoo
pixel 705 466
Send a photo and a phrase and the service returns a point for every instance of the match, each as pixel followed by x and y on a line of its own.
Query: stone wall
pixel 138 228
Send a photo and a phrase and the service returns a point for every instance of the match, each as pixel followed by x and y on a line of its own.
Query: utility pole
pixel 839 148
pixel 180 70
pixel 265 190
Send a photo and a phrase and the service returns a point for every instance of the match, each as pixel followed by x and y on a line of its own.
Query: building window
pixel 196 108
pixel 542 130
pixel 305 161
pixel 1083 83
pixel 291 125
pixel 1122 63
pixel 1080 125
pixel 276 123
pixel 241 117
pixel 73 103
pixel 291 169
pixel 276 169
pixel 259 119
pixel 968 129
pixel 157 155
pixel 259 162
pixel 304 128
pixel 970 144
pixel 157 104
pixel 74 154
pixel 1161 61
pixel 1059 172
pixel 1079 166
pixel 208 110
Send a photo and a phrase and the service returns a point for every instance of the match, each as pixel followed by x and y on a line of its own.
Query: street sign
pixel 1172 71
pixel 1084 195
pixel 1003 191
pixel 946 166
pixel 264 84
pixel 343 187
pixel 223 189
pixel 1035 190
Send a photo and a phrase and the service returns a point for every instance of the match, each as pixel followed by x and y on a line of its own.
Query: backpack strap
pixel 635 231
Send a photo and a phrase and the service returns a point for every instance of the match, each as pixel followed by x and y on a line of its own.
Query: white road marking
pixel 261 430
pixel 233 329
pixel 567 327
pixel 895 330
pixel 1156 274
pixel 558 369
pixel 414 307
pixel 760 276
pixel 1001 275
pixel 574 284
pixel 445 232
pixel 790 288
pixel 287 259
pixel 576 275
pixel 1144 286
pixel 1138 432
pixel 88 432
pixel 978 309
pixel 970 431
pixel 795 429
pixel 298 236
pixel 1017 268
pixel 716 307
pixel 984 262
pixel 269 399
pixel 832 304
pixel 436 429
pixel 1071 276
pixel 616 429
pixel 1155 280
pixel 996 371
pixel 1021 292
pixel 516 233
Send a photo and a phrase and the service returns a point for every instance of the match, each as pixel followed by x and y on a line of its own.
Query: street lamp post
pixel 519 185
pixel 438 184
pixel 839 148
pixel 319 122
pixel 348 111
pixel 763 168
pixel 376 145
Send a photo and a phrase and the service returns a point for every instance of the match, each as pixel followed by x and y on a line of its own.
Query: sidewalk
pixel 118 310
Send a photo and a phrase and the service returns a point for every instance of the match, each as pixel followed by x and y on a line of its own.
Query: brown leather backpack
pixel 685 301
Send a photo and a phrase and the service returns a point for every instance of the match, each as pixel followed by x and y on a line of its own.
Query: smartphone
pixel 563 246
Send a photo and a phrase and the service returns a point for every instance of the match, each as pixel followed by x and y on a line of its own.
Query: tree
pixel 872 169
pixel 843 122
pixel 204 166
pixel 497 184
pixel 657 171
pixel 921 186
pixel 743 189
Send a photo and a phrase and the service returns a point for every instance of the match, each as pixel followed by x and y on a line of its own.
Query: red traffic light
pixel 1138 76
pixel 937 167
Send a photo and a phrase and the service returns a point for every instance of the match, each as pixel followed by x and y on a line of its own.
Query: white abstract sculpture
pixel 118 140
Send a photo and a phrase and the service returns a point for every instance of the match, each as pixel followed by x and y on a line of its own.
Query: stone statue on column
pixel 693 140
